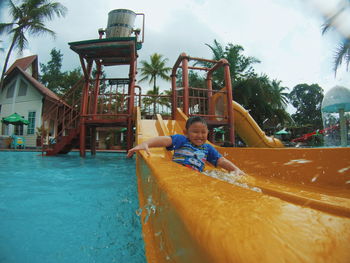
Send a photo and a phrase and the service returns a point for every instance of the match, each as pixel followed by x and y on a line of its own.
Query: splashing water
pixel 298 161
pixel 343 170
pixel 149 209
pixel 231 178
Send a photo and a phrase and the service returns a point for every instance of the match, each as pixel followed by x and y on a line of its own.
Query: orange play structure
pixel 293 205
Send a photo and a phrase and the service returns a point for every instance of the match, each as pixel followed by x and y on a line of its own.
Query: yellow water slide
pixel 293 205
pixel 249 130
pixel 245 125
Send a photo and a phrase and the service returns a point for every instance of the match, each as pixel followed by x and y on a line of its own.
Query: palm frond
pixel 6 27
pixel 342 52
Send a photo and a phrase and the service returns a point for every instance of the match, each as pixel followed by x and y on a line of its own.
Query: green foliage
pixel 51 76
pixel 307 100
pixel 150 71
pixel 71 78
pixel 155 68
pixel 342 51
pixel 266 100
pixel 28 18
pixel 241 66
pixel 42 131
pixel 56 80
pixel 154 97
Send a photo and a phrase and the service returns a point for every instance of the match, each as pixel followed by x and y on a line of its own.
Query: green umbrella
pixel 218 130
pixel 15 119
pixel 281 132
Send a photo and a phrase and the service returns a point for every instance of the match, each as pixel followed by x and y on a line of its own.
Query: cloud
pixel 286 37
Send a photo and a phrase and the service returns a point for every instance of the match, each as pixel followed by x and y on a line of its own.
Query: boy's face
pixel 197 133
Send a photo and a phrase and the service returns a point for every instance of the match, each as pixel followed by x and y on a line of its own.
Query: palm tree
pixel 241 66
pixel 279 94
pixel 264 98
pixel 156 68
pixel 342 52
pixel 154 97
pixel 28 17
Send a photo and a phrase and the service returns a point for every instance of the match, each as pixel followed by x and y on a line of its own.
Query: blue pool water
pixel 69 209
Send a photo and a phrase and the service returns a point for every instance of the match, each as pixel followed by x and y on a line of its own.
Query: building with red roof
pixel 24 94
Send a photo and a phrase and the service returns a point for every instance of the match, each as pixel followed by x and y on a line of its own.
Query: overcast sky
pixel 284 35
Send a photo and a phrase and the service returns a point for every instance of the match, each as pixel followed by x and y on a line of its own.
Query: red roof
pixel 22 63
pixel 20 66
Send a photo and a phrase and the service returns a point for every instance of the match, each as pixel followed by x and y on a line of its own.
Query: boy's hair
pixel 195 119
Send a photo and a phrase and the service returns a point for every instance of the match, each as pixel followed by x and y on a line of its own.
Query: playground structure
pixel 293 205
pixel 95 101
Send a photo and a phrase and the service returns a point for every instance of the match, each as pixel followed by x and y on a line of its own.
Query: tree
pixel 241 66
pixel 154 97
pixel 307 100
pixel 71 78
pixel 28 17
pixel 52 77
pixel 156 68
pixel 265 99
pixel 342 52
pixel 56 80
pixel 1 49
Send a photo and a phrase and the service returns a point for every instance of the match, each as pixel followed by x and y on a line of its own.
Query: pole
pixel 84 102
pixel 343 133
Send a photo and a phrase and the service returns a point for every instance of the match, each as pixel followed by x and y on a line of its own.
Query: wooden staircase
pixel 111 111
pixel 66 112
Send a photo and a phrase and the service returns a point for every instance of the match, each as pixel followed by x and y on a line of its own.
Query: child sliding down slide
pixel 190 150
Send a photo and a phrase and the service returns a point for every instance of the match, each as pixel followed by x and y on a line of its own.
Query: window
pixel 0 108
pixel 19 129
pixel 31 125
pixel 22 88
pixel 10 91
pixel 5 129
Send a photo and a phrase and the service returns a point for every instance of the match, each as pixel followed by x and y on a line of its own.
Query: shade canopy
pixel 281 132
pixel 15 119
pixel 219 130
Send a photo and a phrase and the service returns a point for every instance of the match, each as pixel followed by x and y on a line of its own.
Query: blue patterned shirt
pixel 190 155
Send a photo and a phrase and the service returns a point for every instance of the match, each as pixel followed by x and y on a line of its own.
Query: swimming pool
pixel 69 209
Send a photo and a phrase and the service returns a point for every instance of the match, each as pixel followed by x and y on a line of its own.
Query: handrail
pixel 67 113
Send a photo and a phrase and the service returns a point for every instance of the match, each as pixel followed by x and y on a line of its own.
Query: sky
pixel 284 35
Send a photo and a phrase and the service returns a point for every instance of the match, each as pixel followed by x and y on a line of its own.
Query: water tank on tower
pixel 120 23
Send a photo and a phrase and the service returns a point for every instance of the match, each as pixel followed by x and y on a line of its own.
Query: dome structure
pixel 335 99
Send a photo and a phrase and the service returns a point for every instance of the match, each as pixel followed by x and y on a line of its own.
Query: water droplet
pixel 314 178
pixel 298 161
pixel 139 212
pixel 343 170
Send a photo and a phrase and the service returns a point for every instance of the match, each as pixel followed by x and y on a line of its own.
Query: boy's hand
pixel 142 146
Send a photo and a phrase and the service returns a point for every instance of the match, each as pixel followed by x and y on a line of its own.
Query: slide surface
pixel 292 206
pixel 250 132
pixel 245 125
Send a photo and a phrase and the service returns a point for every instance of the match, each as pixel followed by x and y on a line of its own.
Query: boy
pixel 190 150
